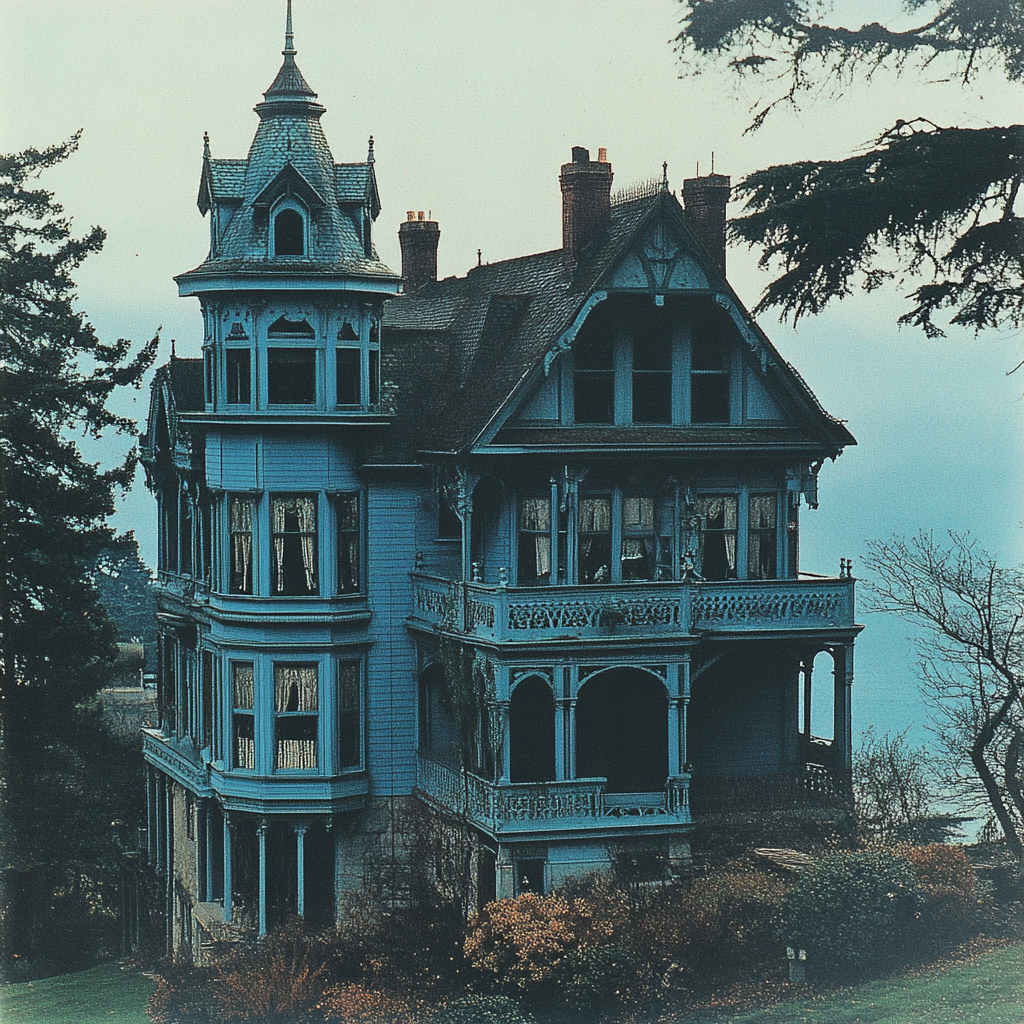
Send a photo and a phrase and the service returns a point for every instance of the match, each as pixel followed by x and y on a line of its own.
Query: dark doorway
pixel 622 731
pixel 531 719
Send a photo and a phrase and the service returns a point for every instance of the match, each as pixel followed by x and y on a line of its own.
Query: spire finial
pixel 289 38
pixel 664 176
pixel 369 153
pixel 206 145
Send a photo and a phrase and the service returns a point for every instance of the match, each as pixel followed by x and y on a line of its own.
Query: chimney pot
pixel 704 202
pixel 586 203
pixel 602 155
pixel 418 238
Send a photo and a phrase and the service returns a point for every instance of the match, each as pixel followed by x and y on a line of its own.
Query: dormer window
pixel 289 233
pixel 709 378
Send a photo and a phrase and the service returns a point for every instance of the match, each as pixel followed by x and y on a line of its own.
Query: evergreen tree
pixel 924 199
pixel 61 775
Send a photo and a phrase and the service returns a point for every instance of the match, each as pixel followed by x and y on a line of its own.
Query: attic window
pixel 595 375
pixel 709 380
pixel 289 234
pixel 283 327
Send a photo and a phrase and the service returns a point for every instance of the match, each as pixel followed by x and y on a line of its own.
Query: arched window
pixel 532 732
pixel 289 232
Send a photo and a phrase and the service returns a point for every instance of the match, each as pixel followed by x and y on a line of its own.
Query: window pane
pixel 349 382
pixel 718 536
pixel 295 688
pixel 595 551
pixel 239 366
pixel 245 743
pixel 291 376
pixel 709 398
pixel 243 685
pixel 594 397
pixel 295 745
pixel 763 550
pixel 294 561
pixel 534 541
pixel 288 233
pixel 349 715
pixel 652 397
pixel 652 347
pixel 349 535
pixel 241 546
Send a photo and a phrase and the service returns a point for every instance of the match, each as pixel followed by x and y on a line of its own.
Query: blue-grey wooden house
pixel 510 559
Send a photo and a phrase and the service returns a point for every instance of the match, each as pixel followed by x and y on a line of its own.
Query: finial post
pixel 369 151
pixel 206 145
pixel 664 176
pixel 289 37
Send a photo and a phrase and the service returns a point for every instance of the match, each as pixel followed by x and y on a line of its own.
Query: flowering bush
pixel 356 1004
pixel 950 911
pixel 518 942
pixel 481 1009
pixel 853 913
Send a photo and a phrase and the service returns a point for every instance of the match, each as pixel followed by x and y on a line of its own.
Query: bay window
pixel 296 710
pixel 350 731
pixel 294 538
pixel 291 376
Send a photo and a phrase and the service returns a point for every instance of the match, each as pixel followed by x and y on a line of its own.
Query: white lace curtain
pixel 535 516
pixel 595 515
pixel 244 686
pixel 295 688
pixel 304 524
pixel 719 515
pixel 241 545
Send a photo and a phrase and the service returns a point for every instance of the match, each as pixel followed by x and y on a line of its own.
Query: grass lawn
pixel 988 990
pixel 107 993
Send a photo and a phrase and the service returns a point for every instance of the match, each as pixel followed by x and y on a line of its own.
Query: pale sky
pixel 473 108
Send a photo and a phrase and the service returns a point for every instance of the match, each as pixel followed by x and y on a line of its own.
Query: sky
pixel 473 108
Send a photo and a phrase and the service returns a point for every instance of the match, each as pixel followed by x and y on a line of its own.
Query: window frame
pixel 233 377
pixel 307 716
pixel 280 353
pixel 251 501
pixel 242 714
pixel 310 561
pixel 282 210
pixel 354 533
pixel 732 572
pixel 359 764
pixel 347 351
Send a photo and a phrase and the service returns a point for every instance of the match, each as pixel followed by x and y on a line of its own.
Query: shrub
pixel 596 976
pixel 281 979
pixel 182 996
pixel 950 911
pixel 356 1004
pixel 481 1009
pixel 519 941
pixel 703 932
pixel 853 913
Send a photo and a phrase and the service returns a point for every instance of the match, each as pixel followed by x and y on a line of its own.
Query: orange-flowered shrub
pixel 357 1004
pixel 950 911
pixel 518 942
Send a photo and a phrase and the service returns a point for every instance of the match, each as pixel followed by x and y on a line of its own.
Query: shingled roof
pixel 457 350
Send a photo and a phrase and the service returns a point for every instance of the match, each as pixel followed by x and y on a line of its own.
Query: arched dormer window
pixel 289 233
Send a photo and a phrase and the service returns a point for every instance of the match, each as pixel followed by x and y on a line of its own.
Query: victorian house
pixel 511 557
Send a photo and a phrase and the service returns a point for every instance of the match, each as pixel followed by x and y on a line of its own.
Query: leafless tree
pixel 971 649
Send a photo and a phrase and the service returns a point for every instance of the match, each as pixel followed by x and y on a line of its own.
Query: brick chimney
pixel 704 202
pixel 586 202
pixel 418 238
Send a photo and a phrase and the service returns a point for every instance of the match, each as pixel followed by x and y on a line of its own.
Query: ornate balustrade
pixel 185 588
pixel 550 806
pixel 509 614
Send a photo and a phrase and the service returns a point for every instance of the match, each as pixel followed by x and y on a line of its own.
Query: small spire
pixel 479 257
pixel 289 37
pixel 664 176
pixel 369 153
pixel 206 145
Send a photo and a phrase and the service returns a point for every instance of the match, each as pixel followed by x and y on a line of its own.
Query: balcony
pixel 578 805
pixel 631 610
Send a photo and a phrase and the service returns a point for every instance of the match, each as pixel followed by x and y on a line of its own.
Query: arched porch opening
pixel 438 730
pixel 622 731
pixel 531 718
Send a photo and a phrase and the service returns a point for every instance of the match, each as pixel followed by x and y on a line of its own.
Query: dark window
pixel 207 539
pixel 186 534
pixel 349 534
pixel 594 377
pixel 282 327
pixel 374 377
pixel 291 376
pixel 207 733
pixel 241 545
pixel 595 532
pixel 349 376
pixel 652 371
pixel 709 379
pixel 762 558
pixel 534 542
pixel 347 332
pixel 288 234
pixel 296 709
pixel 718 536
pixel 210 367
pixel 350 726
pixel 449 525
pixel 530 876
pixel 170 517
pixel 294 558
pixel 243 702
pixel 531 732
pixel 639 544
pixel 793 538
pixel 239 366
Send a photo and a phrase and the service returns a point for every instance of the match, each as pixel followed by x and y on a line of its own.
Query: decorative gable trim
pixel 289 181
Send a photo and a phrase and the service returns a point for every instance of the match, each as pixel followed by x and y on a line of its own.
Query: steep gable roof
pixel 504 322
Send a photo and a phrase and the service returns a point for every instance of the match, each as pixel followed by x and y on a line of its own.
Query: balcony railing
pixel 548 806
pixel 509 614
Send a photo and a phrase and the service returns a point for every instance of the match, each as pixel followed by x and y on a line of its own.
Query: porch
pixel 634 610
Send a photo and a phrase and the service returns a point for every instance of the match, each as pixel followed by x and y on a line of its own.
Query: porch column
pixel 570 739
pixel 672 682
pixel 465 511
pixel 300 870
pixel 261 834
pixel 208 836
pixel 843 736
pixel 684 711
pixel 807 670
pixel 228 909
pixel 160 799
pixel 560 712
pixel 555 567
pixel 506 742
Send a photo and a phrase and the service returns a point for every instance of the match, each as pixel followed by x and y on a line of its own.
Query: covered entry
pixel 622 730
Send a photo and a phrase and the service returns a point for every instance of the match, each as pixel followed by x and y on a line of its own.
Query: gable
pixel 662 259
